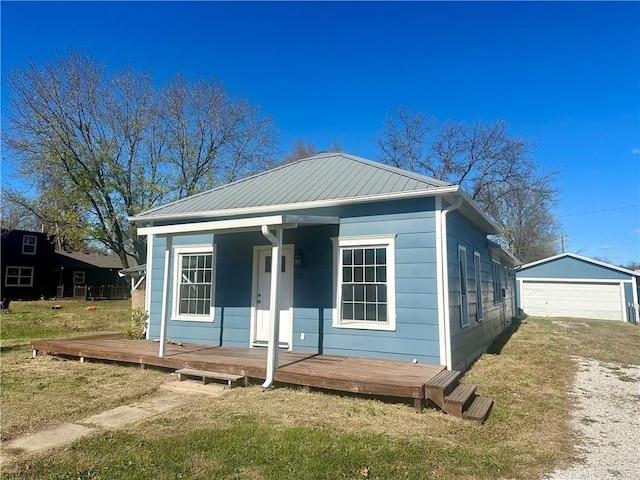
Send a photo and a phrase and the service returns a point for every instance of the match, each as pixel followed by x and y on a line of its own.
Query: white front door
pixel 262 294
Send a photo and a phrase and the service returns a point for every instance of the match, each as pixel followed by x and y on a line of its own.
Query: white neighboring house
pixel 570 285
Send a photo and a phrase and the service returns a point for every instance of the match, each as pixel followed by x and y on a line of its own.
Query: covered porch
pixel 385 378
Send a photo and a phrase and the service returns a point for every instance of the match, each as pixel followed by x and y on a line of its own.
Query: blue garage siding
pixel 570 267
pixel 468 343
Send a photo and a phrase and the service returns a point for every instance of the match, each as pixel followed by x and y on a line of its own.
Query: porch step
pixel 207 377
pixel 442 385
pixel 460 399
pixel 479 409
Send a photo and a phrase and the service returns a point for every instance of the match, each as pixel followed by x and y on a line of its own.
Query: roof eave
pixel 296 206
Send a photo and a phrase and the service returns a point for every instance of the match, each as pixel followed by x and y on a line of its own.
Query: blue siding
pixel 570 267
pixel 469 342
pixel 416 335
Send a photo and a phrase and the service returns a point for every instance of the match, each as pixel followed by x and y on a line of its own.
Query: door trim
pixel 286 249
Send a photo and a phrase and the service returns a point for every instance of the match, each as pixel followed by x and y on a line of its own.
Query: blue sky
pixel 563 75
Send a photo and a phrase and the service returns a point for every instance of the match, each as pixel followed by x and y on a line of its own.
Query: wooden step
pixel 479 409
pixel 442 385
pixel 458 401
pixel 207 377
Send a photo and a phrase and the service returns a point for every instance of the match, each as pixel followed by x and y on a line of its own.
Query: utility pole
pixel 562 242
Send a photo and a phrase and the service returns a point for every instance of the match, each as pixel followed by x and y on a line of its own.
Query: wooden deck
pixel 332 372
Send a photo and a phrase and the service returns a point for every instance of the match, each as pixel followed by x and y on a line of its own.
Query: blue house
pixel 332 254
pixel 570 285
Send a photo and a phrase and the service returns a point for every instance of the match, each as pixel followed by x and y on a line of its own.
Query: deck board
pixel 332 372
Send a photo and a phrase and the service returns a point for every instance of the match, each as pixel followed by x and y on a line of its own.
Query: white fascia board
pixel 301 205
pixel 584 259
pixel 573 280
pixel 239 224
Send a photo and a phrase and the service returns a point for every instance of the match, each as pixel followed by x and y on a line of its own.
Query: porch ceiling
pixel 239 224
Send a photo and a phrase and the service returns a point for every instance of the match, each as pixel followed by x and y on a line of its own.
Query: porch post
pixel 274 301
pixel 165 296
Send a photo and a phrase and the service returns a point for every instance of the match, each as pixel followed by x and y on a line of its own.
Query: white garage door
pixel 579 300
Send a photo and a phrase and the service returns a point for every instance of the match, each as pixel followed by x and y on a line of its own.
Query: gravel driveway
pixel 607 416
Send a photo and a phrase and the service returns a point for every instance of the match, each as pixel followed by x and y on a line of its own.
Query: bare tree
pixel 300 150
pixel 212 139
pixel 118 146
pixel 496 170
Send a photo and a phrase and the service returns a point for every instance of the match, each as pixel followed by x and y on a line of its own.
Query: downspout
pixel 274 307
pixel 444 281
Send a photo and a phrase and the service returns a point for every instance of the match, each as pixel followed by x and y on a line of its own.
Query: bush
pixel 138 324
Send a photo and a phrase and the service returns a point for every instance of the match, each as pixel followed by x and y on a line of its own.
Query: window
pixel 464 292
pixel 366 283
pixel 497 282
pixel 19 277
pixel 477 265
pixel 78 278
pixel 29 243
pixel 194 288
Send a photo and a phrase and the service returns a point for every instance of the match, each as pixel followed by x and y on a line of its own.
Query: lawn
pixel 288 433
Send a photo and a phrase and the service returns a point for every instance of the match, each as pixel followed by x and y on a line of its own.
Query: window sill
pixel 201 319
pixel 366 326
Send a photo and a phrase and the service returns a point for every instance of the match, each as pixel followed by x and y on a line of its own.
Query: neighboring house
pixel 373 261
pixel 25 260
pixel 97 272
pixel 569 285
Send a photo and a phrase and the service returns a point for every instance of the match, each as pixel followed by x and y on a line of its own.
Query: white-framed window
pixel 463 296
pixel 18 277
pixel 78 278
pixel 477 266
pixel 29 243
pixel 194 287
pixel 497 282
pixel 365 282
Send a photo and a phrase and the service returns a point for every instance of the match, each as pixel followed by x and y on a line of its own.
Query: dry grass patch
pixel 47 391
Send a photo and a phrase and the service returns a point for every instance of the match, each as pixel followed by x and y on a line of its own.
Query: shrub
pixel 138 324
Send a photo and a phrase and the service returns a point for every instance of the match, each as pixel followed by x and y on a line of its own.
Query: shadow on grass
pixel 499 343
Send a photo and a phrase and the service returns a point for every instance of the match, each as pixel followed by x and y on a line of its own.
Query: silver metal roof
pixel 319 180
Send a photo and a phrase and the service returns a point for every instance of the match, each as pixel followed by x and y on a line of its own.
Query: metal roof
pixel 310 182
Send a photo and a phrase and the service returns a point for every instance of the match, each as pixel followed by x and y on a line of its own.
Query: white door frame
pixel 288 251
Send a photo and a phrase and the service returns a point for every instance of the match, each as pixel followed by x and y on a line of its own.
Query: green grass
pixel 286 433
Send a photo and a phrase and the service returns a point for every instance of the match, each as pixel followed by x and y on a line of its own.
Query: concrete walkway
pixel 113 419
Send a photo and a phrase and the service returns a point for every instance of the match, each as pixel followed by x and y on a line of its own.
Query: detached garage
pixel 569 285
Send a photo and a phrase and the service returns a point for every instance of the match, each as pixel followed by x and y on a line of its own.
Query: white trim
pixel 497 281
pixel 35 245
pixel 303 205
pixel 579 257
pixel 190 250
pixel 11 285
pixel 287 248
pixel 463 275
pixel 444 292
pixel 147 292
pixel 442 332
pixel 386 241
pixel 477 270
pixel 238 224
pixel 575 280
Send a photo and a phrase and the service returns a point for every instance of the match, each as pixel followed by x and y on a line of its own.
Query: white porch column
pixel 147 290
pixel 274 303
pixel 165 296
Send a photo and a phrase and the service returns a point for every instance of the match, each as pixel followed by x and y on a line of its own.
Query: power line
pixel 598 211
